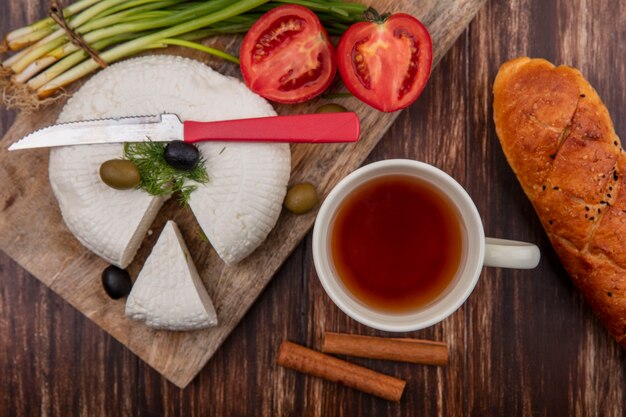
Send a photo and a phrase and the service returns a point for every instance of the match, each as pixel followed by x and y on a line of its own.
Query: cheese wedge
pixel 168 293
pixel 236 209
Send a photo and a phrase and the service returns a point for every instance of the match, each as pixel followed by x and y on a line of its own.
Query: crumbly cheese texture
pixel 236 209
pixel 168 293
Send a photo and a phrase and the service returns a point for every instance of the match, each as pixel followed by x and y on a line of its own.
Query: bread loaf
pixel 558 137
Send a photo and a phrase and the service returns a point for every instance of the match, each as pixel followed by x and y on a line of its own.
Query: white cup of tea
pixel 371 255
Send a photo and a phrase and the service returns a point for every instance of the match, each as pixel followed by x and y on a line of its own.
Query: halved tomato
pixel 286 55
pixel 386 63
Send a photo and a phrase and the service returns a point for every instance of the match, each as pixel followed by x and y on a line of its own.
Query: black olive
pixel 116 282
pixel 181 155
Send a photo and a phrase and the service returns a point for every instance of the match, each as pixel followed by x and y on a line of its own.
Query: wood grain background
pixel 525 343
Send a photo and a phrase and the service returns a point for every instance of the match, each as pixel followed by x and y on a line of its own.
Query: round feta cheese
pixel 236 209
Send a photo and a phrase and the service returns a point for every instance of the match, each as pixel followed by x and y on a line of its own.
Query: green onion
pixel 46 60
pixel 18 34
pixel 143 43
pixel 200 47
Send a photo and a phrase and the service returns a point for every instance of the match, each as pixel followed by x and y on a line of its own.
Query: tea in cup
pixel 399 245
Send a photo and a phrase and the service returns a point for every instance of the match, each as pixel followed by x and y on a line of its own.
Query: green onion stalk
pixel 44 58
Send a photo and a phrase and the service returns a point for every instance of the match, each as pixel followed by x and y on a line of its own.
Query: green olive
pixel 119 174
pixel 301 198
pixel 331 108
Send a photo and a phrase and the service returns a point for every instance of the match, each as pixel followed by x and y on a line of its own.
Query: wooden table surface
pixel 525 343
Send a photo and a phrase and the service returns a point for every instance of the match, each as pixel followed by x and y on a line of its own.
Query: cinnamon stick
pixel 300 358
pixel 404 350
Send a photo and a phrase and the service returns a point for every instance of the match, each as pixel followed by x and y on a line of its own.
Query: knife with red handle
pixel 302 128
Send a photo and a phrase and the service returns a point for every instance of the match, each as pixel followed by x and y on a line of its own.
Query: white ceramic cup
pixel 477 250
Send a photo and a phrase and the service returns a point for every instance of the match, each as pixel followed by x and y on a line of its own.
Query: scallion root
pixel 14 95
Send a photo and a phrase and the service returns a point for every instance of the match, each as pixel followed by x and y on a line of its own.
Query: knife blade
pixel 302 128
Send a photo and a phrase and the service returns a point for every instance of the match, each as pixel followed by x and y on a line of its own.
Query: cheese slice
pixel 168 293
pixel 236 209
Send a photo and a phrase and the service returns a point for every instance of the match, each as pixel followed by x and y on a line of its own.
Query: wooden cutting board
pixel 33 233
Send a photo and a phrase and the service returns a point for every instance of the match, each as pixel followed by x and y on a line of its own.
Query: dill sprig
pixel 160 178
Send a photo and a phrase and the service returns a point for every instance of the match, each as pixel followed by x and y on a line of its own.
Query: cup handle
pixel 505 253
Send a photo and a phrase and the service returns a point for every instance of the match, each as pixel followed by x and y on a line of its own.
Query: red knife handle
pixel 302 128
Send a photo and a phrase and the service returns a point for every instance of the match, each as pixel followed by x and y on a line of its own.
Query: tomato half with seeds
pixel 286 55
pixel 386 62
